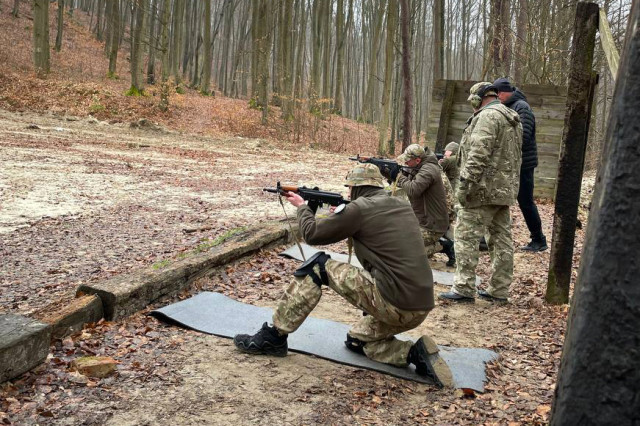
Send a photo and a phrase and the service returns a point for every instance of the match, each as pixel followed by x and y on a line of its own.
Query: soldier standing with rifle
pixel 395 288
pixel 421 179
pixel 489 159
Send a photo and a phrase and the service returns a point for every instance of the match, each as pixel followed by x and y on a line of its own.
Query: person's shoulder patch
pixel 340 208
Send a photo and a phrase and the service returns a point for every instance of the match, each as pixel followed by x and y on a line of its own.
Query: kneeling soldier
pixel 395 288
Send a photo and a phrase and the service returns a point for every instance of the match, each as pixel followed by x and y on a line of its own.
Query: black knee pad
pixel 306 268
pixel 354 344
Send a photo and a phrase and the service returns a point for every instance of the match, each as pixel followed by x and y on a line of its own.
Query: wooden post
pixel 445 115
pixel 574 141
pixel 599 378
pixel 608 45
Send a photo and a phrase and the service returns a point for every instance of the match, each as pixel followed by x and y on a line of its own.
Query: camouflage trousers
pixel 431 244
pixel 358 287
pixel 470 227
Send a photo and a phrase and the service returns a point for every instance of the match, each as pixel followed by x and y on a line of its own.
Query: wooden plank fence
pixel 548 104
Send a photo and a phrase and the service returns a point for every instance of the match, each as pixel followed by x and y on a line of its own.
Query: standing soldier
pixel 421 180
pixel 449 164
pixel 513 98
pixel 489 160
pixel 395 288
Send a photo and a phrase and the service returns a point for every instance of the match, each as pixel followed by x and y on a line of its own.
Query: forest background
pixel 302 62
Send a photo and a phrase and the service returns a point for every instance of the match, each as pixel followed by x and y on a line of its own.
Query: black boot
pixel 483 245
pixel 536 244
pixel 424 355
pixel 447 248
pixel 267 341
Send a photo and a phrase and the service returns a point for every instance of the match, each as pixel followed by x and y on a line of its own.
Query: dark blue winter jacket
pixel 518 103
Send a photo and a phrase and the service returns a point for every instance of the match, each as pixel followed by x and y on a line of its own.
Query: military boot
pixel 424 355
pixel 267 341
pixel 536 244
pixel 447 248
pixel 483 246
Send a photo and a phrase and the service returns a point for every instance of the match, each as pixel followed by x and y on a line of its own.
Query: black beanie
pixel 503 85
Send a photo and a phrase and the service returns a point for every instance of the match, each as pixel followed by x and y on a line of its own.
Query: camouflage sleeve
pixel 336 227
pixel 481 143
pixel 422 181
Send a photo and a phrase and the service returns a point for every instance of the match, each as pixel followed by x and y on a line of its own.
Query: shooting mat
pixel 216 314
pixel 293 252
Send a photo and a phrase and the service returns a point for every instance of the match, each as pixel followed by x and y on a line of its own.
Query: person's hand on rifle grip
pixel 313 205
pixel 294 199
pixel 393 174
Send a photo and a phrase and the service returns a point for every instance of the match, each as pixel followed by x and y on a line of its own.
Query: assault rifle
pixel 388 168
pixel 314 196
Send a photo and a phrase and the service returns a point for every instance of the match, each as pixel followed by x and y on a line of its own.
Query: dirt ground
pixel 81 200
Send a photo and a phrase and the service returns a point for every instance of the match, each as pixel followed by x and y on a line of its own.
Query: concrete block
pixel 70 316
pixel 24 343
pixel 128 293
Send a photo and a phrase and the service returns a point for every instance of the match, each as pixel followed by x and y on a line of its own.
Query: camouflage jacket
pixel 427 195
pixel 450 167
pixel 490 156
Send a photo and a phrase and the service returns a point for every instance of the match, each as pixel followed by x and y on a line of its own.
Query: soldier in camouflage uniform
pixel 421 179
pixel 449 164
pixel 395 295
pixel 489 160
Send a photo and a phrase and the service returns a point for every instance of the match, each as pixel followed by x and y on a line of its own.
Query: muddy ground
pixel 81 200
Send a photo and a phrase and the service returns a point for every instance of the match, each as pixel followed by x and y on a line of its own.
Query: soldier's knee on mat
pixel 306 269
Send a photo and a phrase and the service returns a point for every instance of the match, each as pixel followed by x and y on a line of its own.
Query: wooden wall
pixel 548 104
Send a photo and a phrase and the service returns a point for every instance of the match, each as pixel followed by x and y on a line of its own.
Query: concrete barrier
pixel 24 343
pixel 128 293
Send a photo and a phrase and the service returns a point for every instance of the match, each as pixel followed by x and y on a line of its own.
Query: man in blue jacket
pixel 513 98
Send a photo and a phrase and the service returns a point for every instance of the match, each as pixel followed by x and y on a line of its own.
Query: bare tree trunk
pixel 501 40
pixel 206 72
pixel 16 8
pixel 406 72
pixel 41 37
pixel 372 82
pixel 383 125
pixel 287 51
pixel 151 64
pixel 521 41
pixel 137 85
pixel 337 98
pixel 115 38
pixel 99 20
pixel 60 25
pixel 438 39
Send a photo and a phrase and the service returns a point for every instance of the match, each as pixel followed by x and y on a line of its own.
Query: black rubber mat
pixel 216 314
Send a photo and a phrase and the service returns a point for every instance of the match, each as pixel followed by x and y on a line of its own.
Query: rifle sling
pixel 295 237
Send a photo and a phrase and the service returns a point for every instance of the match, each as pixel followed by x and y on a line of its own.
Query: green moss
pixel 180 90
pixel 96 107
pixel 112 76
pixel 208 244
pixel 133 91
pixel 162 264
pixel 202 247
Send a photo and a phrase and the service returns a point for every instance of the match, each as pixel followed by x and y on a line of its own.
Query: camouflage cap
pixel 363 175
pixel 412 151
pixel 452 146
pixel 482 89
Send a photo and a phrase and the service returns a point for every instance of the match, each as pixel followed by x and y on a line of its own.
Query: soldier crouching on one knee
pixel 489 158
pixel 422 181
pixel 395 288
